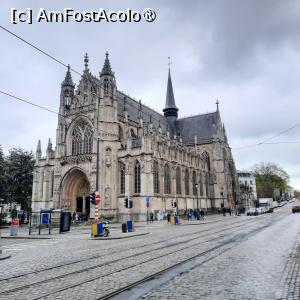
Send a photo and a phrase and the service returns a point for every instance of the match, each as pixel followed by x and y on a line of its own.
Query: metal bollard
pixel 14 227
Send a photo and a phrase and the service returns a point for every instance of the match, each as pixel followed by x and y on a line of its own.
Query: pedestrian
pixel 74 217
pixel 202 214
pixel 169 218
pixel 229 210
pixel 224 211
pixel 151 217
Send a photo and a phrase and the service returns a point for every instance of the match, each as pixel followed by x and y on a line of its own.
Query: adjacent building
pixel 248 194
pixel 109 142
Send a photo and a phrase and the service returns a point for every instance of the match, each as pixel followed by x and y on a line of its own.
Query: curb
pixel 25 238
pixel 4 256
pixel 118 238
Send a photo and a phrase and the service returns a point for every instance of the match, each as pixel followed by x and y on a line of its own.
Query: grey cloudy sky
pixel 244 53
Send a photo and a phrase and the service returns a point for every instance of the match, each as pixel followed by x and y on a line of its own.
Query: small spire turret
pixel 38 153
pixel 68 82
pixel 106 70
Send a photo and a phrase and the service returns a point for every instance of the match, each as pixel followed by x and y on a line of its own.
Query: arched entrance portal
pixel 76 192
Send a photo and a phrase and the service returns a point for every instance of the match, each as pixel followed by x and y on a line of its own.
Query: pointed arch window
pixel 194 184
pixel 82 138
pixel 122 178
pixel 67 98
pixel 178 181
pixel 201 184
pixel 137 178
pixel 207 185
pixel 155 178
pixel 167 180
pixel 52 184
pixel 187 182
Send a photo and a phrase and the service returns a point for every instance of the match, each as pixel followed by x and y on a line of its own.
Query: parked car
pixel 296 208
pixel 252 212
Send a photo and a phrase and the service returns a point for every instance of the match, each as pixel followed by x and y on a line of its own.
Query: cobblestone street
pixel 221 258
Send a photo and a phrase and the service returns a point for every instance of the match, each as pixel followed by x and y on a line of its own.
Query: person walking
pixel 169 218
pixel 151 217
pixel 229 210
pixel 202 214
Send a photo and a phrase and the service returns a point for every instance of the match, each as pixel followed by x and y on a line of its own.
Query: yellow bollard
pixel 172 220
pixel 94 230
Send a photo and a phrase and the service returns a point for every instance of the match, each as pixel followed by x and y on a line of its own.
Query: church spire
pixel 38 153
pixel 170 109
pixel 106 70
pixel 68 79
pixel 49 147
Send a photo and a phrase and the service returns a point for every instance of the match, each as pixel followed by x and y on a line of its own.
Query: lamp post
pixel 196 187
pixel 1 215
pixel 223 204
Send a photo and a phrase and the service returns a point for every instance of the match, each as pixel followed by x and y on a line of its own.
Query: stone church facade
pixel 140 153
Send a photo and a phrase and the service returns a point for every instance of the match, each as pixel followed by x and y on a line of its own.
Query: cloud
pixel 244 53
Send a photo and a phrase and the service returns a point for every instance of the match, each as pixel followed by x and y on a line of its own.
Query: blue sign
pixel 45 219
pixel 148 199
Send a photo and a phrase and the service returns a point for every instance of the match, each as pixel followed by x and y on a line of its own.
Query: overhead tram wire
pixel 38 49
pixel 39 106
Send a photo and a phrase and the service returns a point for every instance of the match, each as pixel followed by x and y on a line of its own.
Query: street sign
pixel 148 199
pixel 98 198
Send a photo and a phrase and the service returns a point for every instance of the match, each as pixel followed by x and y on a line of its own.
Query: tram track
pixel 230 226
pixel 24 287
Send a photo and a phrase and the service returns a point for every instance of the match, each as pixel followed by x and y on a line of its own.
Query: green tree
pixel 19 177
pixel 269 178
pixel 3 178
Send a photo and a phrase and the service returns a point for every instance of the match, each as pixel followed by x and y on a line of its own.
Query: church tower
pixel 108 133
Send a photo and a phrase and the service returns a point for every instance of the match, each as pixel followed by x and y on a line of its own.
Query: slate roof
pixel 133 107
pixel 201 126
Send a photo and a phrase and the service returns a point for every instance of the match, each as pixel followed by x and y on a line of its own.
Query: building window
pixel 167 180
pixel 251 182
pixel 207 185
pixel 52 184
pixel 194 184
pixel 122 178
pixel 82 138
pixel 178 181
pixel 155 178
pixel 201 185
pixel 137 178
pixel 187 182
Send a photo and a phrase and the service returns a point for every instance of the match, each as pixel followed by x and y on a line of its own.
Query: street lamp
pixel 1 207
pixel 196 187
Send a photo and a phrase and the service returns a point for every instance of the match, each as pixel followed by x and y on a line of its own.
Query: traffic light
pixel 126 202
pixel 175 204
pixel 93 198
pixel 130 204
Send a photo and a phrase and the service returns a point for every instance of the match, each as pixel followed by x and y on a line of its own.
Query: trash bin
pixel 99 229
pixel 124 227
pixel 129 226
pixel 14 227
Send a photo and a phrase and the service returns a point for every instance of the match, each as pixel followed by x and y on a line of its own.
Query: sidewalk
pixel 83 231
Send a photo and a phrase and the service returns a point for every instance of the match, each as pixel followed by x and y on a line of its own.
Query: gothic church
pixel 108 142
